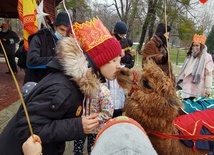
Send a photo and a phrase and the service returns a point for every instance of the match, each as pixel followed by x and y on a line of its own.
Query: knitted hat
pixel 96 40
pixel 122 135
pixel 120 28
pixel 62 19
pixel 4 25
pixel 161 29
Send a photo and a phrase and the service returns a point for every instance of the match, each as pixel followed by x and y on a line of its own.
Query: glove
pixel 6 40
pixel 133 52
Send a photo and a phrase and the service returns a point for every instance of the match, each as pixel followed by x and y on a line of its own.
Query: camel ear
pixel 175 103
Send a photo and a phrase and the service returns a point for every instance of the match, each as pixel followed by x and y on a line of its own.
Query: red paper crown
pixel 91 33
pixel 199 39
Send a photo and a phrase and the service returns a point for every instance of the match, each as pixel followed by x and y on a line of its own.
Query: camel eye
pixel 146 84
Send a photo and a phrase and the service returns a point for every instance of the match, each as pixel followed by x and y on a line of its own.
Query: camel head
pixel 152 96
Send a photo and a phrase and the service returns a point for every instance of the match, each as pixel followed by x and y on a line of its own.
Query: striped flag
pixel 28 16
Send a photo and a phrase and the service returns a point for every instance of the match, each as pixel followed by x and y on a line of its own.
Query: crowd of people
pixel 71 92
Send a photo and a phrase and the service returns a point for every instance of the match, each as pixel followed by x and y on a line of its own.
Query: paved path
pixel 8 90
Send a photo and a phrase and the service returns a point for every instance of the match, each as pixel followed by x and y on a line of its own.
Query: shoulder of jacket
pixel 151 43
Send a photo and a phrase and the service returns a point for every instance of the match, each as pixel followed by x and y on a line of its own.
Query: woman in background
pixel 196 72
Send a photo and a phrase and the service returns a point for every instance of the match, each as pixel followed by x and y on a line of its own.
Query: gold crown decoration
pixel 91 33
pixel 199 39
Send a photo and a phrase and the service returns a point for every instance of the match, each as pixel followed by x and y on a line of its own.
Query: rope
pixel 169 66
pixel 72 29
pixel 19 91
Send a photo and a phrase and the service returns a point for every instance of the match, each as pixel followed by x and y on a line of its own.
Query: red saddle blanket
pixel 191 124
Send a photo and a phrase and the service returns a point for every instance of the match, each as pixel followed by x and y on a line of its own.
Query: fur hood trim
pixel 75 64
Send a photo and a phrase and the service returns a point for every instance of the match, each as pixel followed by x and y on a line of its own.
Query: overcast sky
pixel 204 14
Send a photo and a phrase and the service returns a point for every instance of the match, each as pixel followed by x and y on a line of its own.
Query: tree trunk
pixel 151 27
pixel 74 11
pixel 177 57
pixel 149 16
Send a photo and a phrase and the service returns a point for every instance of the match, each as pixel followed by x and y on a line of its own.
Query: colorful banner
pixel 28 16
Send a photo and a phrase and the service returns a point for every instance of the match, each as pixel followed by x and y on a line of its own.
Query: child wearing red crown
pixel 103 52
pixel 56 104
pixel 196 73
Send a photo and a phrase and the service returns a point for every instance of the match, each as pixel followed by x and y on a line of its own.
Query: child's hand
pixel 89 123
pixel 32 146
pixel 207 93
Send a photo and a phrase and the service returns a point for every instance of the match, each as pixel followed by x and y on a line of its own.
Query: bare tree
pixel 78 8
pixel 127 11
pixel 151 12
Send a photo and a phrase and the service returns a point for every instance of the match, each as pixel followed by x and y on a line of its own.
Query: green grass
pixel 176 56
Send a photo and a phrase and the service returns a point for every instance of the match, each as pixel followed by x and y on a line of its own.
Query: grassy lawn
pixel 177 58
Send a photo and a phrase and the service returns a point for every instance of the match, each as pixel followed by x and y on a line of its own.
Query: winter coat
pixel 21 54
pixel 41 51
pixel 54 107
pixel 102 104
pixel 10 43
pixel 190 89
pixel 128 60
pixel 155 50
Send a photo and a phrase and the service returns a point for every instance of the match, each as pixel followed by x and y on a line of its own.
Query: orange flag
pixel 28 16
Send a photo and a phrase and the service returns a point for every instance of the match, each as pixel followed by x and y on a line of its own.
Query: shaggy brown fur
pixel 155 105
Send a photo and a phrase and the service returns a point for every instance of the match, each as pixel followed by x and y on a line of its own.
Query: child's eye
pixel 116 59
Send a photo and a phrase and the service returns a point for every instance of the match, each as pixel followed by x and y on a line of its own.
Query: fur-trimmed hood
pixel 75 65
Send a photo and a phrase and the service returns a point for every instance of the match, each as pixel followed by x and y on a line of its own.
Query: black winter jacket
pixel 54 106
pixel 9 47
pixel 128 60
pixel 41 51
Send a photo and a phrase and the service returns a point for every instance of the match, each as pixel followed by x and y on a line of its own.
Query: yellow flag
pixel 28 16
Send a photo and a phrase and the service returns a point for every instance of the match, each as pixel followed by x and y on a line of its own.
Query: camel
pixel 152 102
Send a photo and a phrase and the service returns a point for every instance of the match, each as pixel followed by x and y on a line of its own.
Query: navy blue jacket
pixel 41 51
pixel 54 106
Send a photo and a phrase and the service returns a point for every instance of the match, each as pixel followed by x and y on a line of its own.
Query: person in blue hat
pixel 120 30
pixel 118 94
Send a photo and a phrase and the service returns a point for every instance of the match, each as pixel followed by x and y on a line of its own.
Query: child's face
pixel 61 29
pixel 196 47
pixel 108 70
